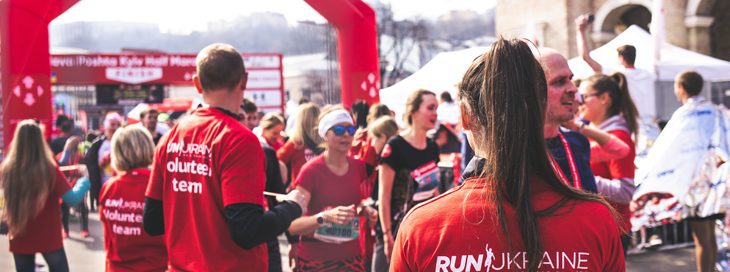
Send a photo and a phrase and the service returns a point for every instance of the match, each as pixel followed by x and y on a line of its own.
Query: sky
pixel 181 16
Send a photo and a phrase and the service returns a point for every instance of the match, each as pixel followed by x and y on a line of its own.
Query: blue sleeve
pixel 582 148
pixel 76 194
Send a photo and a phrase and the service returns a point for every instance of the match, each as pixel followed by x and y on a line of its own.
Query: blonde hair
pixel 28 175
pixel 306 125
pixel 132 148
pixel 383 126
pixel 271 120
pixel 376 111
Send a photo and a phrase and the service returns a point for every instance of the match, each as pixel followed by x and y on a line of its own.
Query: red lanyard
pixel 571 163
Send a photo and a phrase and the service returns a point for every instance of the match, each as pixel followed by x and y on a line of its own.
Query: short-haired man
pixel 98 157
pixel 251 110
pixel 207 183
pixel 148 119
pixel 570 150
pixel 640 81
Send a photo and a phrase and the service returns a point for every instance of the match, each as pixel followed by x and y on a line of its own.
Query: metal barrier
pixel 674 235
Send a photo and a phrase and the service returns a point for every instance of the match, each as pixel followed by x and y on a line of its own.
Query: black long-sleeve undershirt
pixel 153 219
pixel 248 224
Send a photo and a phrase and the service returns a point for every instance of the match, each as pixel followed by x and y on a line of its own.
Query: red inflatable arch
pixel 357 47
pixel 25 57
pixel 25 61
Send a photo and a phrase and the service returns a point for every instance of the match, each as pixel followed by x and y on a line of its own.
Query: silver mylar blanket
pixel 682 175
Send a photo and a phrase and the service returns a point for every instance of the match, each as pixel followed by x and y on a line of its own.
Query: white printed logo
pixel 134 75
pixel 509 261
pixel 189 159
pixel 191 167
pixel 188 149
pixel 128 222
pixel 370 85
pixel 25 91
pixel 187 186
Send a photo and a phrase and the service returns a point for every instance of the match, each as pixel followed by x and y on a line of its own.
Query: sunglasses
pixel 340 130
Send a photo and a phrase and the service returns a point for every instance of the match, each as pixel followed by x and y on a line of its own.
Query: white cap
pixel 333 118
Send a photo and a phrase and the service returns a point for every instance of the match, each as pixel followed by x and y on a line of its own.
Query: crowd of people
pixel 550 186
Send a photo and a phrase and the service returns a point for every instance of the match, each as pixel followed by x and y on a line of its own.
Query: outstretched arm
pixel 584 48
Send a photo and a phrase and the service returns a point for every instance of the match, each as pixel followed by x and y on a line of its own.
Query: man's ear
pixel 244 81
pixel 465 120
pixel 196 82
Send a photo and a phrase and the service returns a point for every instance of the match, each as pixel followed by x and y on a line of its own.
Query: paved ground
pixel 88 254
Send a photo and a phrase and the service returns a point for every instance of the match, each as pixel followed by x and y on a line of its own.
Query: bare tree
pixel 405 36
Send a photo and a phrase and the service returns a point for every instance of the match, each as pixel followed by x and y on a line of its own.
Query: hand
pixel 573 125
pixel 296 196
pixel 340 215
pixel 388 244
pixel 369 213
pixel 359 133
pixel 582 22
pixel 293 257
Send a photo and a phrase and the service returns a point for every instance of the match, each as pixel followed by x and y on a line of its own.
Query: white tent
pixel 440 74
pixel 672 61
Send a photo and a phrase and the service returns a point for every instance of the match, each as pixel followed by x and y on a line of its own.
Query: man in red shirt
pixel 206 188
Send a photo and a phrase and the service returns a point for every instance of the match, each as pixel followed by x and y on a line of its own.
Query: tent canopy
pixel 673 59
pixel 440 74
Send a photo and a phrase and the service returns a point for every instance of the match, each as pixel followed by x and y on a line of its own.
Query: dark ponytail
pixel 621 102
pixel 504 93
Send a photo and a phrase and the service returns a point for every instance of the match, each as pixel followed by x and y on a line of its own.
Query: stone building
pixel 699 25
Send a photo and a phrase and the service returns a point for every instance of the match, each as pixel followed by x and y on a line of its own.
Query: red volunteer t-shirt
pixel 205 163
pixel 455 230
pixel 329 191
pixel 121 205
pixel 621 168
pixel 43 232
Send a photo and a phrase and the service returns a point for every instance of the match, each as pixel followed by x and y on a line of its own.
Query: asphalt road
pixel 87 254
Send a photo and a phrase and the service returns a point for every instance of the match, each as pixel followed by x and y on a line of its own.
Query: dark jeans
pixel 626 242
pixel 380 262
pixel 82 209
pixel 274 256
pixel 56 261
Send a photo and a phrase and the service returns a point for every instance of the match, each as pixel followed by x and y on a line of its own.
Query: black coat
pixel 91 160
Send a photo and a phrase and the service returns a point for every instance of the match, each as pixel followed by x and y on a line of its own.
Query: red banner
pixel 265 77
pixel 83 69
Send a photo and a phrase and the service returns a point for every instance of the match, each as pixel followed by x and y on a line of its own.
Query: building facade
pixel 698 25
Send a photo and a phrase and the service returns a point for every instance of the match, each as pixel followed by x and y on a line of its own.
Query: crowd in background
pixel 356 176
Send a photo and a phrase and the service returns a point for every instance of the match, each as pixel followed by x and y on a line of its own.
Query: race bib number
pixel 427 178
pixel 338 234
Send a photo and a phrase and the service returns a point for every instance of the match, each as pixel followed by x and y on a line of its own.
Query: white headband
pixel 332 119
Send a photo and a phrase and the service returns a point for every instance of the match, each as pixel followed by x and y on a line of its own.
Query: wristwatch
pixel 320 219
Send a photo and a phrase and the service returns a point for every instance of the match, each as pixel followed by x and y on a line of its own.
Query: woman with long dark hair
pixel 32 184
pixel 512 213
